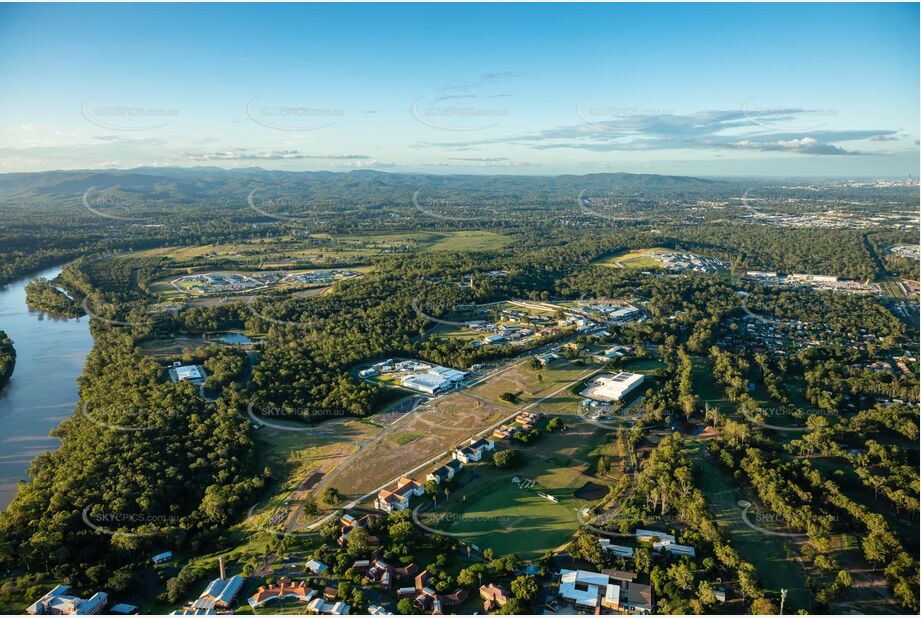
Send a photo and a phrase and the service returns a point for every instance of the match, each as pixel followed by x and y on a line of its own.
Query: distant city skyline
pixel 817 90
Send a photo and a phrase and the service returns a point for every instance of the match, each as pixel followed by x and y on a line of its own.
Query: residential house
pixel 474 451
pixel 445 472
pixel 316 567
pixel 398 500
pixel 455 465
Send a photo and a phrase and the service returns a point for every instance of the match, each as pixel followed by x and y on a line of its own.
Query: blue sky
pixel 712 90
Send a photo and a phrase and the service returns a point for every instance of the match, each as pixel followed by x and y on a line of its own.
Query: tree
pixel 470 576
pixel 525 588
pixel 310 506
pixel 405 607
pixel 763 606
pixel 509 397
pixel 705 594
pixel 642 559
pixel 587 548
pixel 682 575
pixel 514 606
pixel 331 496
pixel 402 532
pixel 509 458
pixel 356 542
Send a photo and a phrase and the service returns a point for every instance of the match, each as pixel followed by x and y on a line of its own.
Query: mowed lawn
pixel 639 258
pixel 497 513
pixel 508 519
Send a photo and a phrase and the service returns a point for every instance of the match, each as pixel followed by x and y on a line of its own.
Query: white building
pixel 653 536
pixel 187 373
pixel 613 388
pixel 58 601
pixel 319 606
pixel 474 452
pixel 674 548
pixel 590 591
pixel 428 383
pixel 623 551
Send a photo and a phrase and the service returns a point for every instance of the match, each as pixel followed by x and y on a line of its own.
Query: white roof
pixel 188 372
pixel 424 381
pixel 612 594
pixel 654 534
pixel 454 375
pixel 614 387
pixel 594 582
pixel 617 550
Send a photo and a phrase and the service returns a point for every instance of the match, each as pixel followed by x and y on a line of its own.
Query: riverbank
pixel 42 390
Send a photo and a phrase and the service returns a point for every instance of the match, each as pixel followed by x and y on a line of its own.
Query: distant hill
pixel 205 180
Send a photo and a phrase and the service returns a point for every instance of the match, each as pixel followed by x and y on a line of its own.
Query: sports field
pixel 639 258
pixel 488 509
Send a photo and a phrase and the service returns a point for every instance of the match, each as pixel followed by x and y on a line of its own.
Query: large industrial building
pixel 606 387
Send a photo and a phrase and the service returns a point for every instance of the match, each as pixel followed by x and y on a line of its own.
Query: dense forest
pixel 143 458
pixel 7 359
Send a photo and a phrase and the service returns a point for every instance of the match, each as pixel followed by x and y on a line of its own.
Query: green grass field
pixel 638 258
pixel 496 513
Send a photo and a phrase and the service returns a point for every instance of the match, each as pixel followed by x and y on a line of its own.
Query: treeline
pixel 838 313
pixel 7 359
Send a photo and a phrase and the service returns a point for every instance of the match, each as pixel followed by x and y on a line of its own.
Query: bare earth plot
pixel 523 381
pixel 300 460
pixel 436 428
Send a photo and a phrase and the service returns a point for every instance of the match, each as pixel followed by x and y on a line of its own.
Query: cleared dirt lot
pixel 440 426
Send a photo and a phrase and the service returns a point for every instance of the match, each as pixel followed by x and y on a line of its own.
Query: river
pixel 43 389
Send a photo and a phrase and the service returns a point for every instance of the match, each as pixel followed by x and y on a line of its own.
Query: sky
pixel 707 90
